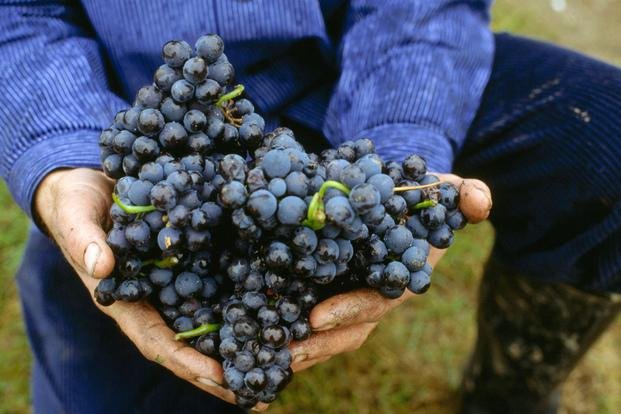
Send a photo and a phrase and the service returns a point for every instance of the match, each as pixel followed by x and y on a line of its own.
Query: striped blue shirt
pixel 409 74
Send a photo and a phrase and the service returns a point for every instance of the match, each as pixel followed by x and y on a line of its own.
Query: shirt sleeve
pixel 54 97
pixel 412 74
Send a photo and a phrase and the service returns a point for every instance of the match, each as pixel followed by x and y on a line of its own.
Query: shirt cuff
pixel 73 150
pixel 394 142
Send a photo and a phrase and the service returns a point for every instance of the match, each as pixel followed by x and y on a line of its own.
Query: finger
pixel 147 330
pixel 333 342
pixel 301 366
pixel 81 209
pixel 260 407
pixel 434 256
pixel 206 384
pixel 475 197
pixel 358 306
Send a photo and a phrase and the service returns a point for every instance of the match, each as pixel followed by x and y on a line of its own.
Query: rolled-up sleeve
pixel 54 94
pixel 412 74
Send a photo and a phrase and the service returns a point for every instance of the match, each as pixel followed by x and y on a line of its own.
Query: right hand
pixel 73 206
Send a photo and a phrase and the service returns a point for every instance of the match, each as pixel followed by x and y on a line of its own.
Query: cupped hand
pixel 73 207
pixel 343 322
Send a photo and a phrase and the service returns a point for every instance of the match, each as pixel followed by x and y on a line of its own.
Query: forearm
pixel 55 96
pixel 412 76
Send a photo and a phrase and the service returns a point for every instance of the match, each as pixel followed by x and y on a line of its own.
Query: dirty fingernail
pixel 299 358
pixel 91 256
pixel 207 381
pixel 260 407
pixel 324 326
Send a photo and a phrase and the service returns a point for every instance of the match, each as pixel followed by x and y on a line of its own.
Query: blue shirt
pixel 407 74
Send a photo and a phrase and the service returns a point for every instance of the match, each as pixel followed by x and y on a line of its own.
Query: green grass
pixel 14 356
pixel 413 360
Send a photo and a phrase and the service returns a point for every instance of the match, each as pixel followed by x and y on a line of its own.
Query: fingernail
pixel 91 256
pixel 299 358
pixel 207 381
pixel 324 326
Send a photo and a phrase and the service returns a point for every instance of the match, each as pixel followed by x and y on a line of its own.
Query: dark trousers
pixel 547 141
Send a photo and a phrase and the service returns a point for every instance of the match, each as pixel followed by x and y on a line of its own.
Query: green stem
pixel 424 204
pixel 131 209
pixel 201 330
pixel 316 215
pixel 333 184
pixel 237 90
pixel 165 263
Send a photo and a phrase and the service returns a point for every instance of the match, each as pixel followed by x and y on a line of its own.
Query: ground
pixel 413 361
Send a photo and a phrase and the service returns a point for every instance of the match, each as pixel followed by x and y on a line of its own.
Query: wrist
pixel 44 198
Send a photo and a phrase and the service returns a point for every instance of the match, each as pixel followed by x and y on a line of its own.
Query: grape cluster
pixel 234 234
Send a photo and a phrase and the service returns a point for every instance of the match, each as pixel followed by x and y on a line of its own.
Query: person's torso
pixel 257 33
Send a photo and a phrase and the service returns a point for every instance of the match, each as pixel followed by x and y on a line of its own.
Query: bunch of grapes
pixel 235 234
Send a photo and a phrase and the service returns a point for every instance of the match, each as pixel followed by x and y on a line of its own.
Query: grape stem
pixel 131 209
pixel 165 263
pixel 332 184
pixel 416 187
pixel 424 204
pixel 201 330
pixel 316 216
pixel 237 90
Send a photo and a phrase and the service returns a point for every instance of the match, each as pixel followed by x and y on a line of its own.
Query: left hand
pixel 343 322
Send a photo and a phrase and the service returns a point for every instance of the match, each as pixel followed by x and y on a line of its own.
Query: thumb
pixel 82 201
pixel 475 197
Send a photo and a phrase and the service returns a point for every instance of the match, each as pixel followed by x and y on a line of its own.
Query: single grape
pixel 207 91
pixel 339 211
pixel 288 310
pixel 371 164
pixel 277 186
pixel 414 258
pixel 171 110
pixel 182 91
pixel 165 76
pixel 176 52
pixel 448 195
pixel 414 167
pixel 417 228
pixel 273 336
pixel 149 97
pixel 194 121
pixel 233 195
pixel 433 217
pixel 173 135
pixel 396 275
pixel 384 185
pixel 442 237
pixel 145 149
pixel 304 240
pixel 291 210
pixel 195 69
pixel 419 282
pixel 209 47
pixel 169 239
pixel 129 290
pixel 352 175
pixel 276 163
pixel 139 192
pixel 364 197
pixel 456 220
pixel 396 205
pixel 327 251
pixel 301 330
